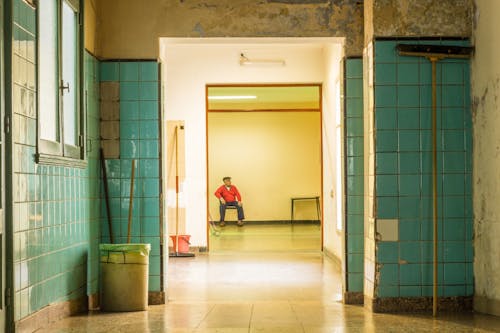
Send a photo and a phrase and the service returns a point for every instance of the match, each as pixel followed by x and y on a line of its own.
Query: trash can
pixel 124 277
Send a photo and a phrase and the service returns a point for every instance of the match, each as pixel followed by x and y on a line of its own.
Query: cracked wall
pixel 486 175
pixel 128 29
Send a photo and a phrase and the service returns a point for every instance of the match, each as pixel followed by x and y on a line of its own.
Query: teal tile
pixel 151 187
pixel 149 71
pixel 387 207
pixel 425 118
pixel 354 68
pixel 126 167
pixel 355 146
pixel 453 73
pixel 410 291
pixel 409 230
pixel 452 96
pixel 129 130
pixel 409 140
pixel 388 291
pixel 409 185
pixel 129 71
pixel 453 140
pixel 355 282
pixel 150 226
pixel 148 91
pixel 385 74
pixel 355 165
pixel 469 209
pixel 410 274
pixel 355 223
pixel 149 149
pixel 409 207
pixel 450 291
pixel 453 206
pixel 355 243
pixel 354 107
pixel 154 283
pixel 469 271
pixel 129 91
pixel 109 71
pixel 385 96
pixel 149 129
pixel 454 251
pixel 385 51
pixel 149 168
pixel 355 204
pixel 387 185
pixel 408 73
pixel 389 275
pixel 454 184
pixel 408 96
pixel 386 118
pixel 354 185
pixel 409 163
pixel 453 118
pixel 387 252
pixel 408 118
pixel 151 207
pixel 148 110
pixel 129 149
pixel 387 163
pixel 355 126
pixel 355 263
pixel 386 141
pixel 129 110
pixel 454 273
pixel 410 252
pixel 354 87
pixel 454 229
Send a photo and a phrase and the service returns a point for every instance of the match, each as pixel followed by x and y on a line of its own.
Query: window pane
pixel 48 81
pixel 69 74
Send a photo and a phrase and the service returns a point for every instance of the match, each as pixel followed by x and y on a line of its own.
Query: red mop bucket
pixel 183 243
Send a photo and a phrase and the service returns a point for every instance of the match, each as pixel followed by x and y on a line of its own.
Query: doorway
pixel 268 139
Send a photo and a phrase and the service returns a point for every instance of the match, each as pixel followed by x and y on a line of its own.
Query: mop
pixel 214 230
pixel 435 53
pixel 176 243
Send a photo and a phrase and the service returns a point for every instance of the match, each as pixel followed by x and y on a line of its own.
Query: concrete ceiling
pixel 263 98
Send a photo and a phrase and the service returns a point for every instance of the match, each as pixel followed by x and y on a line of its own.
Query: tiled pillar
pixel 355 181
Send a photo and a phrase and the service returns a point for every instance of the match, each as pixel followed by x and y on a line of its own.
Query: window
pixel 59 70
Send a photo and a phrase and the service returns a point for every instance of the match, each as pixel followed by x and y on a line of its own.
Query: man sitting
pixel 228 195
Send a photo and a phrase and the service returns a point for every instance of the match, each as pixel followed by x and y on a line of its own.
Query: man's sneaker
pixel 240 223
pixel 222 224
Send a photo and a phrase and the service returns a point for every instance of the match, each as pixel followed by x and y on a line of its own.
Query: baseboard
pixel 417 304
pixel 353 297
pixel 487 305
pixel 50 314
pixel 156 297
pixel 275 222
pixel 94 301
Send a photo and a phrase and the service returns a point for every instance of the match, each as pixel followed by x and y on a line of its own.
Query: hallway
pixel 262 292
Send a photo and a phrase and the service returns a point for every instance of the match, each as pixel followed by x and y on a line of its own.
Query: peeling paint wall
pixel 422 18
pixel 129 29
pixel 486 164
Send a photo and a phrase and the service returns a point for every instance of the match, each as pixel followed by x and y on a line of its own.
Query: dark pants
pixel 222 210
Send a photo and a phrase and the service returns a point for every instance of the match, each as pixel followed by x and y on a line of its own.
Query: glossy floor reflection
pixel 255 291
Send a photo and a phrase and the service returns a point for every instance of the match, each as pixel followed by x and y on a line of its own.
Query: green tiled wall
pixel 355 172
pixel 139 141
pixel 404 171
pixel 55 220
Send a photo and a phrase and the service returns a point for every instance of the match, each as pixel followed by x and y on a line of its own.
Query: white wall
pixel 486 176
pixel 188 65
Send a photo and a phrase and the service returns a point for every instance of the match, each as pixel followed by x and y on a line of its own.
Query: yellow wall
pixel 90 24
pixel 271 156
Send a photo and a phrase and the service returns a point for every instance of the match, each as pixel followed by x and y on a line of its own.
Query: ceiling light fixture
pixel 232 97
pixel 245 61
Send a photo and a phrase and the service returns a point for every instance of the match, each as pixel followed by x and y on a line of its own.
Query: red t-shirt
pixel 229 195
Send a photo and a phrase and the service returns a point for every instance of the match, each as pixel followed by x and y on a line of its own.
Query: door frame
pixel 320 110
pixel 6 155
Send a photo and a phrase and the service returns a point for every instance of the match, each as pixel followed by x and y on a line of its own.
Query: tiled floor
pixel 255 291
